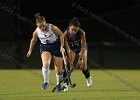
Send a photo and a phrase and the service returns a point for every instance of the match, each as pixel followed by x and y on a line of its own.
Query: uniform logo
pixel 48 35
pixel 75 43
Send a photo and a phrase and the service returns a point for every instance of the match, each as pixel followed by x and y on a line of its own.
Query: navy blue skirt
pixel 53 48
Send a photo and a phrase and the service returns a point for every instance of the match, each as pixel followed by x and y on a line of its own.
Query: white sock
pixel 59 78
pixel 45 73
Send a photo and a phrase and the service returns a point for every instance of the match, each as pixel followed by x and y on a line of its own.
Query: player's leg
pixel 72 55
pixel 69 65
pixel 58 61
pixel 85 69
pixel 46 59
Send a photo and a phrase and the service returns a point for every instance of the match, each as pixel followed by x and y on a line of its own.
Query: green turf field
pixel 108 85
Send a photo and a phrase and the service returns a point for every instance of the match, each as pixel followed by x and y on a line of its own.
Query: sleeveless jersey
pixel 46 37
pixel 74 42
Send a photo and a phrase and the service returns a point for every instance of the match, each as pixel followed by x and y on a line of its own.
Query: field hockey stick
pixel 67 71
pixel 68 75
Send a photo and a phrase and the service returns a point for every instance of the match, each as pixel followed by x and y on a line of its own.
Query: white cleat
pixel 89 82
pixel 65 87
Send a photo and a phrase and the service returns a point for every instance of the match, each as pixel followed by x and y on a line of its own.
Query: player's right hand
pixel 29 53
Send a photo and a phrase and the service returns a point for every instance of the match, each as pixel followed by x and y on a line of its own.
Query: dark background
pixel 108 47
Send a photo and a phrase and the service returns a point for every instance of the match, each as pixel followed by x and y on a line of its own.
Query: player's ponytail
pixel 74 22
pixel 39 18
pixel 37 15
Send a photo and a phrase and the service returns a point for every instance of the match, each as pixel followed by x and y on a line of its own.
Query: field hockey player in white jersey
pixel 52 42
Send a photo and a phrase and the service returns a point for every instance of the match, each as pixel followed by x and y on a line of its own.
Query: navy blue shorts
pixel 53 48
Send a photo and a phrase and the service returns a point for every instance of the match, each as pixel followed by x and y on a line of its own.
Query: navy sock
pixel 86 73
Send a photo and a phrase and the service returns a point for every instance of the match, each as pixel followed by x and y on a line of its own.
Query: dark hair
pixel 39 18
pixel 74 22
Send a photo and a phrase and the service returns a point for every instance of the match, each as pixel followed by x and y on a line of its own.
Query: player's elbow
pixel 33 40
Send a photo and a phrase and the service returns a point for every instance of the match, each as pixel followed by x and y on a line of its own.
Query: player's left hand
pixel 62 49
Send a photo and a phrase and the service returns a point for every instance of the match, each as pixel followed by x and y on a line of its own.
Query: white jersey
pixel 46 37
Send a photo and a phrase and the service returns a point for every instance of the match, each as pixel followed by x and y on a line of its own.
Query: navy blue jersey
pixel 74 42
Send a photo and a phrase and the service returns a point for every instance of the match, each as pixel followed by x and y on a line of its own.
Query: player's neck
pixel 46 27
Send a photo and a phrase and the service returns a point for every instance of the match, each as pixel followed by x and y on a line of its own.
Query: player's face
pixel 41 25
pixel 73 29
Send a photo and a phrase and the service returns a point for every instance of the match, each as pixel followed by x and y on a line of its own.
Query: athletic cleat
pixel 89 82
pixel 65 87
pixel 58 88
pixel 44 85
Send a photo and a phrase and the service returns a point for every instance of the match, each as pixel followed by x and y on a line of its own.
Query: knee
pixel 58 69
pixel 83 66
pixel 46 64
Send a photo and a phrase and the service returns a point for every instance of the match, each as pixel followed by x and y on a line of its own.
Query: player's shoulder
pixel 53 27
pixel 35 34
pixel 37 29
pixel 66 30
pixel 50 24
pixel 81 31
pixel 65 33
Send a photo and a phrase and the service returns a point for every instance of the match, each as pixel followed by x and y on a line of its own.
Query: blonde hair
pixel 39 18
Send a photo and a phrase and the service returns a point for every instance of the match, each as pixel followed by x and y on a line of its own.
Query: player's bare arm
pixel 58 32
pixel 32 43
pixel 83 44
pixel 66 43
pixel 68 51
